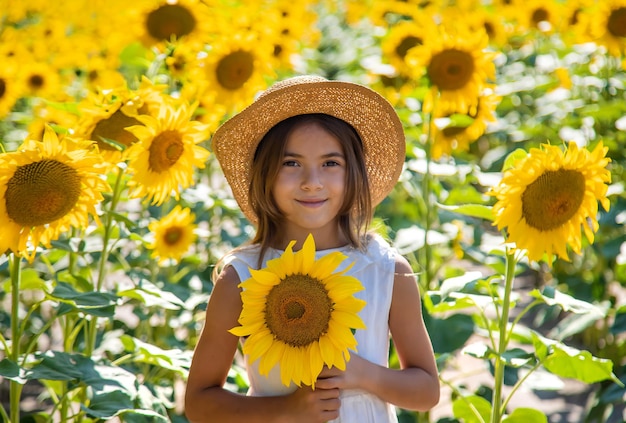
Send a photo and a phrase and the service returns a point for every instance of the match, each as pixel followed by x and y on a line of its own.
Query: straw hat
pixel 375 120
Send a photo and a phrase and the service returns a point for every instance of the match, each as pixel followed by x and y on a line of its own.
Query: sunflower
pixel 457 66
pixel 47 187
pixel 175 20
pixel 10 91
pixel 106 115
pixel 163 159
pixel 173 234
pixel 458 136
pixel 299 314
pixel 607 25
pixel 401 38
pixel 541 15
pixel 236 68
pixel 545 198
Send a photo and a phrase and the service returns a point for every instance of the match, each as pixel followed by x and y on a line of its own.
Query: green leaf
pixel 65 292
pixel 474 210
pixel 100 377
pixel 472 409
pixel 449 334
pixel 458 283
pixel 175 360
pixel 11 370
pixel 513 158
pixel 108 404
pixel 29 280
pixel 525 415
pixel 153 296
pixel 570 362
pixel 553 297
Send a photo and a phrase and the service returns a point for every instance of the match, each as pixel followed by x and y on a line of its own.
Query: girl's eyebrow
pixel 325 156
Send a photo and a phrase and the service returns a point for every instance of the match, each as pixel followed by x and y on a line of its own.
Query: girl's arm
pixel 207 401
pixel 416 385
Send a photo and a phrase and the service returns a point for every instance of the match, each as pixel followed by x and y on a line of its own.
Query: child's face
pixel 310 186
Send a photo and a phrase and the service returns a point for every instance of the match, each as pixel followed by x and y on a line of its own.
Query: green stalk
pixel 92 328
pixel 15 388
pixel 496 404
pixel 426 192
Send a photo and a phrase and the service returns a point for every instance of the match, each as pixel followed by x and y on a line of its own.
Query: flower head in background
pixel 48 187
pixel 299 313
pixel 457 65
pixel 460 128
pixel 548 195
pixel 164 158
pixel 173 234
pixel 606 23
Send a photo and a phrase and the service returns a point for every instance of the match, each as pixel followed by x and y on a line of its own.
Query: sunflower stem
pixel 497 410
pixel 426 190
pixel 15 388
pixel 92 328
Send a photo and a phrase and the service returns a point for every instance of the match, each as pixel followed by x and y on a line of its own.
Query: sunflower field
pixel 511 206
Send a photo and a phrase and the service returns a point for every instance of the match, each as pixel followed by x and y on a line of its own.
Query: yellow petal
pixel 307 255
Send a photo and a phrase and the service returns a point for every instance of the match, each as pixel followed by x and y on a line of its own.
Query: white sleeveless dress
pixel 375 269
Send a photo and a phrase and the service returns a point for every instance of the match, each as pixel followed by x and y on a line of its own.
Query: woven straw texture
pixel 375 120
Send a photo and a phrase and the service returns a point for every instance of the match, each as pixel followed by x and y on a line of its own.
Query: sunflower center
pixel 3 88
pixel 451 69
pixel 553 199
pixel 298 310
pixel 173 236
pixel 539 15
pixel 406 44
pixel 617 22
pixel 165 150
pixel 42 192
pixel 35 82
pixel 170 20
pixel 113 129
pixel 235 69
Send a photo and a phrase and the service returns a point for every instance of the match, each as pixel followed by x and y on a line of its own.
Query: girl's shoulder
pixel 376 245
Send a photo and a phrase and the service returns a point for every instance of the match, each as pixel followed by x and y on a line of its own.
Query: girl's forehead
pixel 312 139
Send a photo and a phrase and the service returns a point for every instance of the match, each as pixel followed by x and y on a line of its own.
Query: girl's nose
pixel 311 180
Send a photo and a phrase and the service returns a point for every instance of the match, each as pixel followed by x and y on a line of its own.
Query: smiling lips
pixel 313 203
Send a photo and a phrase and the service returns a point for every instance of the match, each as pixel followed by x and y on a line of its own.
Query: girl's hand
pixel 351 378
pixel 314 406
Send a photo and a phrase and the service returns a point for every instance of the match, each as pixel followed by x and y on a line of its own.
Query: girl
pixel 312 156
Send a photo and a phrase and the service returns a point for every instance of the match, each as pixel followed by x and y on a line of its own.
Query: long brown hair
pixel 356 212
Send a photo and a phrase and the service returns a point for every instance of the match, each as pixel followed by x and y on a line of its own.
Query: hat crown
pixel 290 82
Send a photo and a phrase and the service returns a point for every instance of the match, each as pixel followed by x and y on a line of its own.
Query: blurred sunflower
pixel 46 188
pixel 173 20
pixel 173 235
pixel 166 154
pixel 400 39
pixel 299 313
pixel 574 28
pixel 544 16
pixel 41 80
pixel 59 116
pixel 10 91
pixel 607 25
pixel 458 129
pixel 457 66
pixel 236 68
pixel 548 195
pixel 107 114
pixel 484 19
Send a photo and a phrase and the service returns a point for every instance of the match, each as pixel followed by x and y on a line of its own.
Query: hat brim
pixel 371 115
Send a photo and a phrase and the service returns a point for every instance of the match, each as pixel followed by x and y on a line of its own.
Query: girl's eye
pixel 290 163
pixel 332 163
